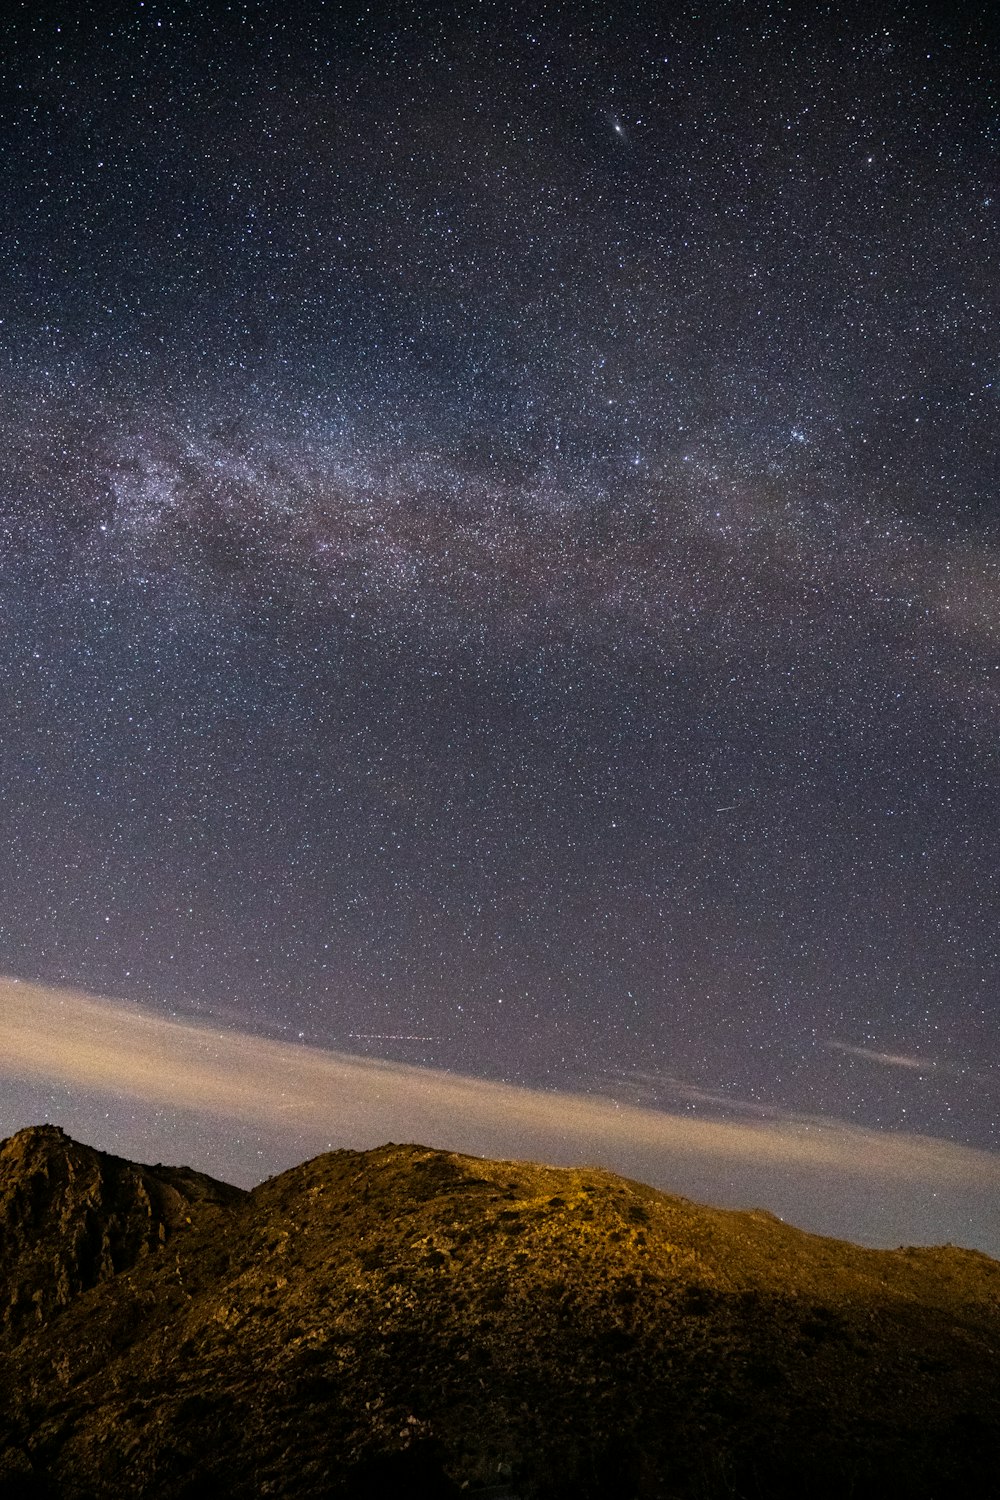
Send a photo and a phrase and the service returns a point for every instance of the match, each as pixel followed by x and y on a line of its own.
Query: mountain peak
pixel 35 1137
pixel 415 1321
pixel 72 1216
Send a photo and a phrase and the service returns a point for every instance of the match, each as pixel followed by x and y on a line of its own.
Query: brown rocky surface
pixel 71 1217
pixel 415 1323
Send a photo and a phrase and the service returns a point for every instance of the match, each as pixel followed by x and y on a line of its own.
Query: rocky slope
pixel 409 1322
pixel 71 1217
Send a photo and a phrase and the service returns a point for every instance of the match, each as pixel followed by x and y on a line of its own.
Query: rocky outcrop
pixel 71 1217
pixel 406 1321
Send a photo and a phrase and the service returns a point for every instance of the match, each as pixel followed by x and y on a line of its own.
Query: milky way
pixel 501 567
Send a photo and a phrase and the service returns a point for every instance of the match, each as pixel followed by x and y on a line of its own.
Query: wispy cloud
pixel 199 1087
pixel 661 1090
pixel 887 1059
pixel 913 1063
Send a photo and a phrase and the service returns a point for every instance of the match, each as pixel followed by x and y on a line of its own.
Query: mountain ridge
pixel 417 1320
pixel 112 1212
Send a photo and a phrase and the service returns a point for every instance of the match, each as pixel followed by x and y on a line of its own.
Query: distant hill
pixel 407 1322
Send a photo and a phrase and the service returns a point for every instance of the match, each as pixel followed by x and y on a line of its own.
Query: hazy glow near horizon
pixel 181 1074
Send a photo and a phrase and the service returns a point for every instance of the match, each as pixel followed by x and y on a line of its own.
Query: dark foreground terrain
pixel 404 1322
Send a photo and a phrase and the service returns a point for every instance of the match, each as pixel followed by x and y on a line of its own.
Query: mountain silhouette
pixel 414 1323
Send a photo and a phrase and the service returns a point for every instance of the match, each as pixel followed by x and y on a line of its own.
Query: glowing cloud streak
pixel 820 1172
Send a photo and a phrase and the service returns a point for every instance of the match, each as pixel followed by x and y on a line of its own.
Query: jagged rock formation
pixel 410 1322
pixel 71 1217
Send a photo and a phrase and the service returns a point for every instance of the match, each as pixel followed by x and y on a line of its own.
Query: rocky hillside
pixel 71 1217
pixel 405 1322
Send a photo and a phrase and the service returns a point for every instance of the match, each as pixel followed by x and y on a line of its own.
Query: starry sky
pixel 499 542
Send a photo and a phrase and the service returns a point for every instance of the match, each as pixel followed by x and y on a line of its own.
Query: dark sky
pixel 499 539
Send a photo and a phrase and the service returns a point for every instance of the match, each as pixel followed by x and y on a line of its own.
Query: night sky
pixel 500 546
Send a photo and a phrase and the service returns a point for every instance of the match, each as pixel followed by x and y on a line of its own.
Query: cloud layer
pixel 243 1105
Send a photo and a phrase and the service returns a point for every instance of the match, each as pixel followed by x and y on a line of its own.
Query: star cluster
pixel 499 539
